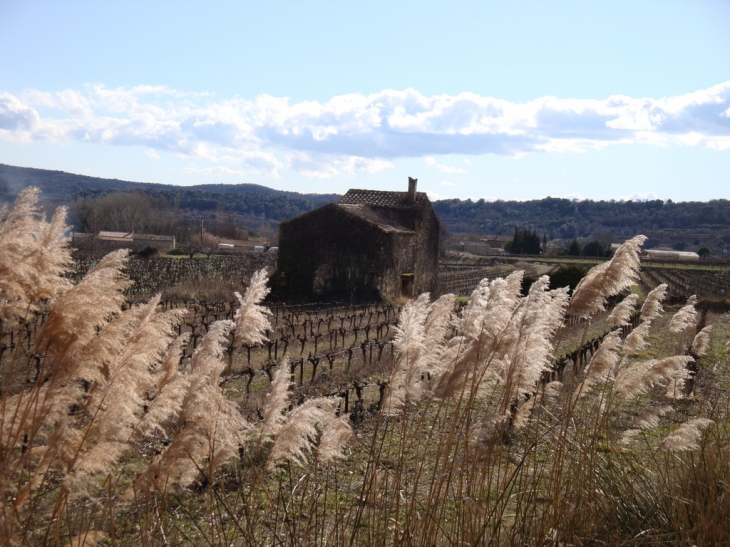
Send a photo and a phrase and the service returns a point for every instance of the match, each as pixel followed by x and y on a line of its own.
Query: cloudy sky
pixel 511 100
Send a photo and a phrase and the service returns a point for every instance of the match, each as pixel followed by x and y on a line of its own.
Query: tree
pixel 205 244
pixel 524 242
pixel 574 249
pixel 124 212
pixel 594 248
pixel 567 276
pixel 703 251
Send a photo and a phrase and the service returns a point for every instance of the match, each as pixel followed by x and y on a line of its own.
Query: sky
pixel 495 100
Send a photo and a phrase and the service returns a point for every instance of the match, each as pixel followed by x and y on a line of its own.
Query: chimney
pixel 412 189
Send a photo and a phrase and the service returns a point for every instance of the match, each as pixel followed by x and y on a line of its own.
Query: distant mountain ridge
pixel 665 222
pixel 61 188
pixel 13 179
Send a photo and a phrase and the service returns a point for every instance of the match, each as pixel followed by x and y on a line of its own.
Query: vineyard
pixel 504 418
pixel 683 283
pixel 152 275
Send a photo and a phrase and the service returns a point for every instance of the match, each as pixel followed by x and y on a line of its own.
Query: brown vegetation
pixel 113 430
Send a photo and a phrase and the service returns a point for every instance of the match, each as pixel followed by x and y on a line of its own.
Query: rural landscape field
pixel 364 274
pixel 504 416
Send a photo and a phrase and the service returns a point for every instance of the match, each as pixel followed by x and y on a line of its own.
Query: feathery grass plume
pixel 686 317
pixel 653 304
pixel 622 312
pixel 298 438
pixel 119 368
pixel 628 436
pixel 169 390
pixel 491 426
pixel 420 340
pixel 525 412
pixel 636 342
pixel 483 322
pixel 601 366
pixel 251 318
pixel 334 438
pixel 67 341
pixel 701 342
pixel 410 343
pixel 641 376
pixel 34 255
pixel 687 436
pixel 277 401
pixel 525 349
pixel 650 417
pixel 438 322
pixel 607 279
pixel 210 427
pixel 69 344
pixel 77 317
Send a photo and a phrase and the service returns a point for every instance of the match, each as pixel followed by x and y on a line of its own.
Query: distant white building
pixel 664 254
pixel 135 240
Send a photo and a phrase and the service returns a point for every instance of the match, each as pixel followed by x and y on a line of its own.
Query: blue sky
pixel 508 100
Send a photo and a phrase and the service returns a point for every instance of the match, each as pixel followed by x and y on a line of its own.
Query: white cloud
pixel 217 170
pixel 574 196
pixel 447 183
pixel 358 133
pixel 431 162
pixel 152 154
pixel 324 167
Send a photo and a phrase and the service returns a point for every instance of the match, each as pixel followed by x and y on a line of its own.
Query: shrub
pixel 148 252
pixel 567 276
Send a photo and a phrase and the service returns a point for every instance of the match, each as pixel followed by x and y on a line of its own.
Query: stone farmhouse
pixel 368 244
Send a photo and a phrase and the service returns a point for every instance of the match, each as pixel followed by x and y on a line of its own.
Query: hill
pixel 691 223
pixel 59 187
pixel 682 224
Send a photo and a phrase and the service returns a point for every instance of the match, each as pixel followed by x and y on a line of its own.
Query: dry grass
pixel 108 434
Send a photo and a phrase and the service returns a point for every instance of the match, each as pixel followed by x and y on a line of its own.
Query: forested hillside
pixel 58 187
pixel 663 221
pixel 666 223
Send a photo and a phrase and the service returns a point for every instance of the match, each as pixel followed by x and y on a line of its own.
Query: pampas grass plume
pixel 277 401
pixel 641 376
pixel 622 312
pixel 685 318
pixel 607 279
pixel 701 342
pixel 601 365
pixel 34 255
pixel 650 418
pixel 636 342
pixel 297 439
pixel 653 304
pixel 251 318
pixel 687 436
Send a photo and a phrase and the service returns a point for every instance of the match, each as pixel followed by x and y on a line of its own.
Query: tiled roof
pixel 131 236
pixel 371 216
pixel 116 235
pixel 378 198
pixel 154 237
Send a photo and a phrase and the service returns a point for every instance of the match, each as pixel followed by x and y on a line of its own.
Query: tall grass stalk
pixel 108 433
